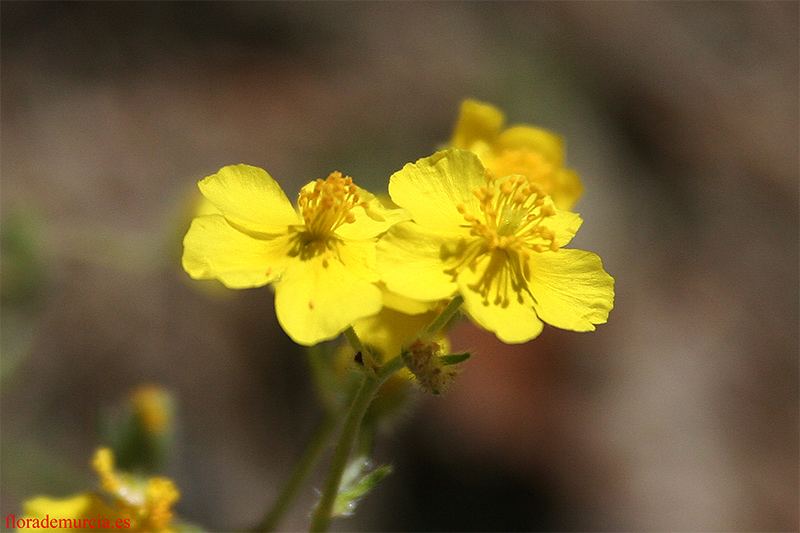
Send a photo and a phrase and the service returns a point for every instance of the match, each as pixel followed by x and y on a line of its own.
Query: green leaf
pixel 454 359
pixel 358 480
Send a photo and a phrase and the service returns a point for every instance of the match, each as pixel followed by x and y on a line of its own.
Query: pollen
pixel 146 504
pixel 103 464
pixel 161 494
pixel 511 225
pixel 328 204
pixel 513 210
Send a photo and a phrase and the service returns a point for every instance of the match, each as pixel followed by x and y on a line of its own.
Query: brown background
pixel 682 118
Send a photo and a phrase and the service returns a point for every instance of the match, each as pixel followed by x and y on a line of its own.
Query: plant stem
pixel 300 474
pixel 358 346
pixel 369 386
pixel 328 390
pixel 446 314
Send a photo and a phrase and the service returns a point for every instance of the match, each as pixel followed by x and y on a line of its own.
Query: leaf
pixel 359 479
pixel 454 359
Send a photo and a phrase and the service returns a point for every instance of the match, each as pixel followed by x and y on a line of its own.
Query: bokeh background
pixel 681 413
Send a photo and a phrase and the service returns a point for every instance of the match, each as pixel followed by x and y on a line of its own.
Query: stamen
pixel 329 204
pixel 511 227
pixel 513 209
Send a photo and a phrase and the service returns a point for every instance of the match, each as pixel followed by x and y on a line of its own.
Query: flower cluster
pixel 485 219
pixel 125 501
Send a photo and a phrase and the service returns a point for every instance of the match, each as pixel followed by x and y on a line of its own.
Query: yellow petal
pixel 432 188
pixel 571 289
pixel 359 257
pixel 205 207
pixel 410 262
pixel 73 507
pixel 513 320
pixel 213 248
pixel 477 122
pixel 564 223
pixel 249 197
pixel 525 162
pixel 319 297
pixel 389 330
pixel 532 139
pixel 405 305
pixel 70 514
pixel 567 188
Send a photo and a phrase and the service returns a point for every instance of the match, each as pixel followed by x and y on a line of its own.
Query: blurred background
pixel 681 413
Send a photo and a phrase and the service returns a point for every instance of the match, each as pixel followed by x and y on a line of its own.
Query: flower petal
pixel 565 224
pixel 567 188
pixel 405 305
pixel 72 507
pixel 571 289
pixel 513 321
pixel 213 248
pixel 432 188
pixel 249 197
pixel 411 262
pixel 389 330
pixel 550 145
pixel 359 258
pixel 318 298
pixel 477 122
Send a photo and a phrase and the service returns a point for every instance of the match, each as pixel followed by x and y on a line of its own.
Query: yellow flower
pixel 319 258
pixel 127 502
pixel 525 150
pixel 153 407
pixel 398 321
pixel 497 242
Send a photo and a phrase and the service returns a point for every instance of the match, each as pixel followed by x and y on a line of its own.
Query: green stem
pixel 369 386
pixel 355 342
pixel 446 314
pixel 301 472
pixel 325 381
pixel 328 389
pixel 358 346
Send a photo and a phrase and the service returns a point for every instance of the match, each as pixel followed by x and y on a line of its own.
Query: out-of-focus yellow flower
pixel 531 152
pixel 398 321
pixel 153 406
pixel 497 242
pixel 126 502
pixel 319 258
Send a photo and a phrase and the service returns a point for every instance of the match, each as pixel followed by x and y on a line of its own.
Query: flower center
pixel 510 229
pixel 513 209
pixel 328 204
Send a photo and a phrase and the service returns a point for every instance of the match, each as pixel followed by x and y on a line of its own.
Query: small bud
pixel 434 372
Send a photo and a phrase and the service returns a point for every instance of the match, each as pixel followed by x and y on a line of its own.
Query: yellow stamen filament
pixel 511 227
